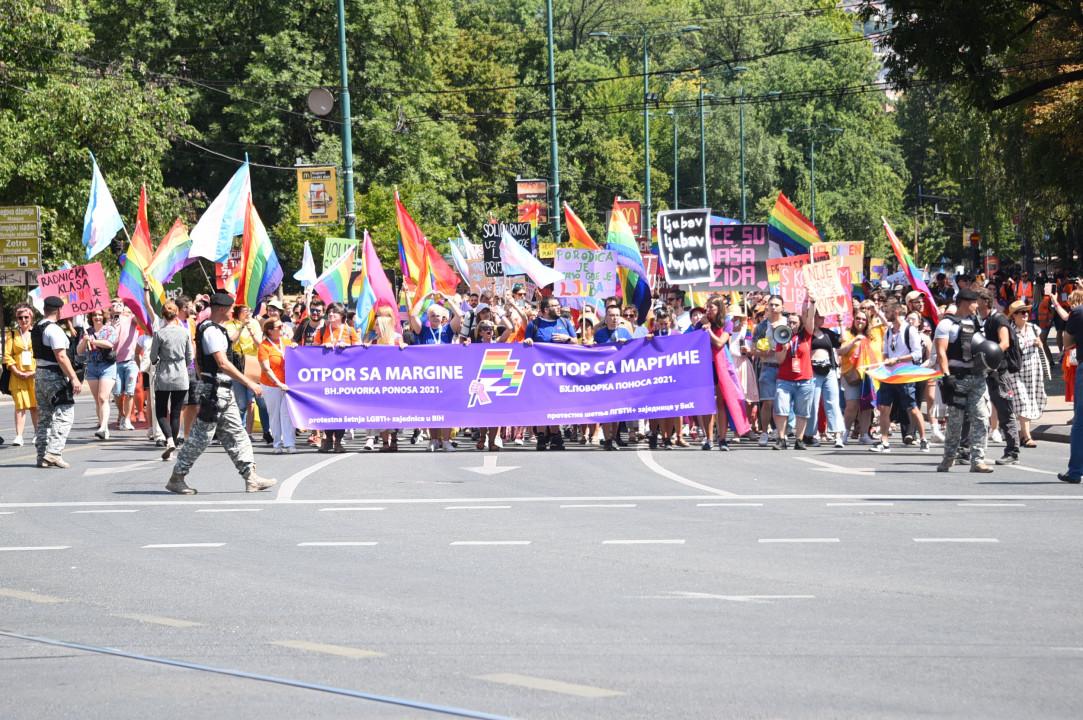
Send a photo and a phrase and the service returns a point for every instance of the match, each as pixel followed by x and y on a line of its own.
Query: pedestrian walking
pixel 55 385
pixel 963 386
pixel 19 362
pixel 219 415
pixel 272 361
pixel 1028 385
pixel 170 353
pixel 1000 330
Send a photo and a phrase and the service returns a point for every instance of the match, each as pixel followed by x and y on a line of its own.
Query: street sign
pixel 11 278
pixel 317 194
pixel 20 233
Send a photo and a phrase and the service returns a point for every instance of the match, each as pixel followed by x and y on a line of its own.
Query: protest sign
pixel 82 288
pixel 480 282
pixel 587 273
pixel 739 256
pixel 825 286
pixel 877 270
pixel 490 243
pixel 684 245
pixel 846 319
pixel 789 279
pixel 334 248
pixel 851 253
pixel 496 385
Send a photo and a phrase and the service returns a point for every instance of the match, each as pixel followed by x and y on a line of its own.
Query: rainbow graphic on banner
pixel 792 230
pixel 498 375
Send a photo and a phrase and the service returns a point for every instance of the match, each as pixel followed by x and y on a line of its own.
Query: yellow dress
pixel 18 348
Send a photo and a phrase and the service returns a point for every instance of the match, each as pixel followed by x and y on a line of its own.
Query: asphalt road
pixel 582 584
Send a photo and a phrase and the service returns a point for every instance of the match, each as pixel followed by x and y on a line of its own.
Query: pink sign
pixel 82 288
pixel 791 282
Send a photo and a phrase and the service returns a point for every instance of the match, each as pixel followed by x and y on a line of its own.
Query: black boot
pixel 543 441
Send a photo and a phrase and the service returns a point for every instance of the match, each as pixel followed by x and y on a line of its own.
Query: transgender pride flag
pixel 212 237
pixel 102 220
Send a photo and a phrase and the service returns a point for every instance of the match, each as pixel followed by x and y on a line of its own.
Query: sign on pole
pixel 532 194
pixel 82 288
pixel 684 246
pixel 490 243
pixel 20 233
pixel 11 278
pixel 587 273
pixel 317 194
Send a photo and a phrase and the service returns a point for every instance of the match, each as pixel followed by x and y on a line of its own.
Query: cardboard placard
pixel 334 248
pixel 490 243
pixel 851 253
pixel 790 280
pixel 83 289
pixel 587 273
pixel 739 255
pixel 847 318
pixel 877 270
pixel 684 246
pixel 824 283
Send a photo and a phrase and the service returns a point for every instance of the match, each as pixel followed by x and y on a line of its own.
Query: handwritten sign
pixel 684 246
pixel 877 269
pixel 490 243
pixel 587 273
pixel 82 288
pixel 851 253
pixel 825 286
pixel 334 248
pixel 739 255
pixel 790 280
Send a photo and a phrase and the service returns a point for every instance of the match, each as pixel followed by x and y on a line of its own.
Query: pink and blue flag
pixel 212 237
pixel 102 221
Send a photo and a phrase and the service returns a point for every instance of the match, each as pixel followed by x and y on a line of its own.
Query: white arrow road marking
pixel 763 599
pixel 650 462
pixel 839 469
pixel 118 469
pixel 488 467
pixel 289 485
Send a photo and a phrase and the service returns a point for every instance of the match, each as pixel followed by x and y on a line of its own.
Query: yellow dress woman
pixel 19 359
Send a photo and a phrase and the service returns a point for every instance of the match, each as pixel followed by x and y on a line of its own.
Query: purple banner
pixel 494 385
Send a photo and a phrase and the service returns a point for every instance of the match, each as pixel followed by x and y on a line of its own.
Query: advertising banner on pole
pixel 317 194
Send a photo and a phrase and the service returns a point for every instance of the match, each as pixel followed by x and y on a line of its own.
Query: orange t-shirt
pixel 275 357
pixel 345 335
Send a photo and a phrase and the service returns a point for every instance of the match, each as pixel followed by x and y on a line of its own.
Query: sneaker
pixel 255 483
pixel 923 445
pixel 55 461
pixel 652 441
pixel 908 439
pixel 880 447
pixel 519 441
pixel 980 468
pixel 799 445
pixel 945 465
pixel 810 441
pixel 177 485
pixel 1008 459
pixel 499 442
pixel 780 444
pixel 448 446
pixel 867 439
pixel 995 436
pixel 764 439
pixel 723 446
pixel 433 445
pixel 414 437
pixel 840 441
pixel 542 442
pixel 169 448
pixel 370 444
pixel 1065 477
pixel 126 424
pixel 556 443
pixel 17 441
pixel 938 434
pixel 276 451
pixel 291 450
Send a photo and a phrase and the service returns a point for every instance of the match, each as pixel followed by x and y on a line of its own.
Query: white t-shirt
pixel 214 340
pixel 895 343
pixel 54 338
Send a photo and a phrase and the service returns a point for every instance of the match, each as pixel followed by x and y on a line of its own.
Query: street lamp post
pixel 676 202
pixel 811 131
pixel 702 149
pixel 554 159
pixel 347 136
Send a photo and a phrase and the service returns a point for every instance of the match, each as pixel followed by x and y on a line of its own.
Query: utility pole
pixel 676 171
pixel 347 136
pixel 554 159
pixel 702 152
pixel 646 138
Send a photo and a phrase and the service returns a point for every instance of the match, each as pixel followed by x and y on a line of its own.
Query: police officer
pixel 55 384
pixel 216 363
pixel 964 387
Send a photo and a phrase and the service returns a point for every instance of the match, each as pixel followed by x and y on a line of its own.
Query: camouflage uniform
pixel 971 393
pixel 227 427
pixel 55 420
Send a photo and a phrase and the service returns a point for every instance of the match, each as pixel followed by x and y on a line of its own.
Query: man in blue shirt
pixel 549 327
pixel 611 333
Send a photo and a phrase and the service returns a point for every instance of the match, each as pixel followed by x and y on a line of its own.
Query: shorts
pixel 127 372
pixel 768 381
pixel 101 371
pixel 795 395
pixel 901 395
pixel 850 392
pixel 193 392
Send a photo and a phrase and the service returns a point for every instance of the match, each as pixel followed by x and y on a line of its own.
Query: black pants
pixel 167 408
pixel 1000 397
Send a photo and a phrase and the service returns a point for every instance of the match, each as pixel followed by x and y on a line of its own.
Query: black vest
pixel 206 365
pixel 960 351
pixel 42 352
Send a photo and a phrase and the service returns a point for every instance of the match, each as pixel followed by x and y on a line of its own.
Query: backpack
pixel 906 339
pixel 1013 356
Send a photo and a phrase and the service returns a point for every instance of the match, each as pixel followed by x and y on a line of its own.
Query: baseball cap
pixel 221 299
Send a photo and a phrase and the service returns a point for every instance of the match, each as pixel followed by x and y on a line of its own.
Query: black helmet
pixel 987 354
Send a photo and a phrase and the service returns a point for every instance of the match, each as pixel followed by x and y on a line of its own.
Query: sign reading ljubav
pixel 491 385
pixel 683 247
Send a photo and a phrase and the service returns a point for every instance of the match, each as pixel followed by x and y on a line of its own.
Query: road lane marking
pixel 977 504
pixel 13 548
pixel 31 596
pixel 859 504
pixel 289 485
pixel 648 459
pixel 68 450
pixel 799 540
pixel 350 509
pixel 166 546
pixel 601 505
pixel 758 599
pixel 733 504
pixel 956 540
pixel 490 542
pixel 478 507
pixel 100 512
pixel 8 512
pixel 342 543
pixel 556 686
pixel 230 510
pixel 158 620
pixel 326 649
pixel 824 466
pixel 1034 470
pixel 643 542
pixel 118 469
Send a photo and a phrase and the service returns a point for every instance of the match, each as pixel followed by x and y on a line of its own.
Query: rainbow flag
pixel 633 284
pixel 902 373
pixel 172 254
pixel 375 291
pixel 334 285
pixel 792 230
pixel 136 283
pixel 261 273
pixel 577 234
pixel 497 375
pixel 415 251
pixel 913 274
